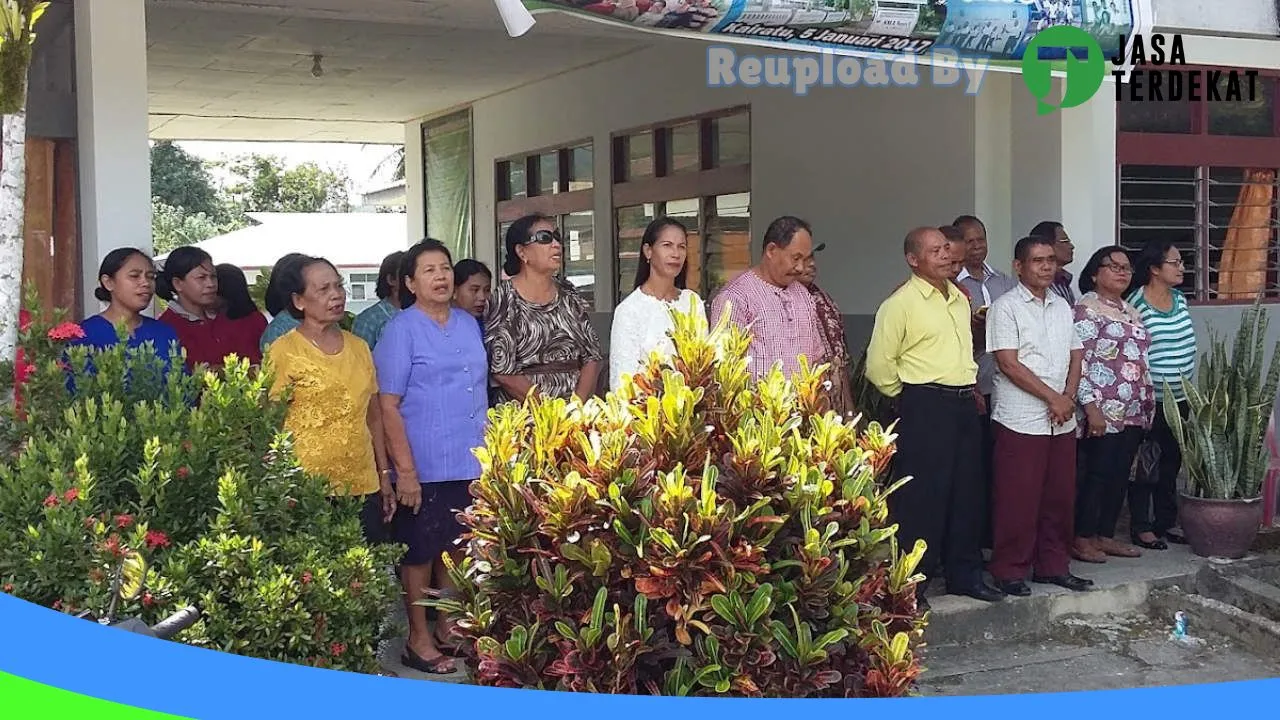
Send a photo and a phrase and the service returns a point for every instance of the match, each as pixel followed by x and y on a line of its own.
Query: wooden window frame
pixel 555 204
pixel 1201 150
pixel 664 186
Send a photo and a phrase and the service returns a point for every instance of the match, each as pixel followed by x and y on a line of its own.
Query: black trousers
pixel 942 504
pixel 986 469
pixel 1103 477
pixel 1153 507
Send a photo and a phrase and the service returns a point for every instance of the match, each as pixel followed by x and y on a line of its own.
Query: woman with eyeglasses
pixel 1153 496
pixel 642 321
pixel 334 415
pixel 1116 401
pixel 537 328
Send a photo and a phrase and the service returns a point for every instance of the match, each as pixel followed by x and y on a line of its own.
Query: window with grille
pixel 1204 176
pixel 698 171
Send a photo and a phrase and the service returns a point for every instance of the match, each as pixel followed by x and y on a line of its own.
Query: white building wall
pixel 1217 17
pixel 864 165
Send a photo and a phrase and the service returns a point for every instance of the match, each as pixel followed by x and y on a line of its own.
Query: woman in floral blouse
pixel 1116 398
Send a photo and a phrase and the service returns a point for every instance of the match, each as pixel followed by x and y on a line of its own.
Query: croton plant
pixel 693 533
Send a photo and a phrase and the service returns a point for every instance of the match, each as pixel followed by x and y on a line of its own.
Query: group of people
pixel 1023 406
pixel 994 377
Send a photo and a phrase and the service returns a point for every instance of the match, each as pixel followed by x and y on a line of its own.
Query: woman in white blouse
pixel 642 322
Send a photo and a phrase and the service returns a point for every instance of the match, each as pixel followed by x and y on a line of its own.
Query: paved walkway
pixel 1090 654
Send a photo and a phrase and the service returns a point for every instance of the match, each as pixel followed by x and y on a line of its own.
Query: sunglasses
pixel 544 237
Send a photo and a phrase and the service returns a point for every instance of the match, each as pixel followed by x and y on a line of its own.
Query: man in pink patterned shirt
pixel 771 302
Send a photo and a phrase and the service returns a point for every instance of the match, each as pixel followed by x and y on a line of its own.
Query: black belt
pixel 953 390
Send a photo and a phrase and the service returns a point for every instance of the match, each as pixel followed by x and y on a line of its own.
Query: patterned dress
pixel 548 343
pixel 1115 373
pixel 832 324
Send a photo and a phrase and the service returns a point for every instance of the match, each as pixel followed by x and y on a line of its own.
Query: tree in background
pixel 266 185
pixel 395 161
pixel 18 19
pixel 180 180
pixel 186 206
pixel 172 227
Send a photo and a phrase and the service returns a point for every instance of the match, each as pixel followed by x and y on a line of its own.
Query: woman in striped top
pixel 1153 506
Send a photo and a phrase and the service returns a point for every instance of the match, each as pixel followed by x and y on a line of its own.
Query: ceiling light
pixel 316 70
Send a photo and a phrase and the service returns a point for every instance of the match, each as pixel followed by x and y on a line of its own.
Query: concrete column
pixel 115 159
pixel 414 188
pixel 993 166
pixel 1089 174
pixel 1063 168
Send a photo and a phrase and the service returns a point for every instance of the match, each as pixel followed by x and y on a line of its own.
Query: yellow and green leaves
pixel 694 532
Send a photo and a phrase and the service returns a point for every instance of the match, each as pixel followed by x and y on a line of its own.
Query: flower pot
pixel 1220 528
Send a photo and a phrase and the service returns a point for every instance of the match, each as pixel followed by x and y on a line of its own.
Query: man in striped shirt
pixel 1153 496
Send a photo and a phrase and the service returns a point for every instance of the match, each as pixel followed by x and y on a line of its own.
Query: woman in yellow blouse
pixel 333 415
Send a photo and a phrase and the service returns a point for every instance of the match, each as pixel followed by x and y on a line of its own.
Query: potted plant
pixel 1223 439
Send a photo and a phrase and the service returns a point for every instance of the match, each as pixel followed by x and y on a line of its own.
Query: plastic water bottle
pixel 1180 625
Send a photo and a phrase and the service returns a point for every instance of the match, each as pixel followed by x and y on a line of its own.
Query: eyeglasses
pixel 545 237
pixel 1122 269
pixel 1176 263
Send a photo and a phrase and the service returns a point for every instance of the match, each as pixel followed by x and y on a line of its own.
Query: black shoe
pixel 1015 587
pixel 981 591
pixel 1068 581
pixel 1176 538
pixel 1158 544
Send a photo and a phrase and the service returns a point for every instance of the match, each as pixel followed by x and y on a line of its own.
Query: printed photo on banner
pixel 996 28
pixel 874 26
pixel 696 15
pixel 1002 29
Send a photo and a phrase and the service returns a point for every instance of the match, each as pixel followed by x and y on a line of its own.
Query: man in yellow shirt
pixel 921 355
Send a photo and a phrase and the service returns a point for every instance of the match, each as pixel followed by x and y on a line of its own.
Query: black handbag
pixel 1146 470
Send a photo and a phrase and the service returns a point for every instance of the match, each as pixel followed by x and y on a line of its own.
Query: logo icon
pixel 1084 75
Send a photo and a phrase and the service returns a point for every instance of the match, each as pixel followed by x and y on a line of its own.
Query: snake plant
pixel 1223 436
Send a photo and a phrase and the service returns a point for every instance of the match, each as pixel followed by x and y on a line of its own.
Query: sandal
pixel 411 659
pixel 1117 549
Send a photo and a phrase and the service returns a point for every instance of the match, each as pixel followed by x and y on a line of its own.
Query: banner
pixel 995 30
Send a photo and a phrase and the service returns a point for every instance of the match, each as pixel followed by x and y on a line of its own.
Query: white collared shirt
pixel 1043 332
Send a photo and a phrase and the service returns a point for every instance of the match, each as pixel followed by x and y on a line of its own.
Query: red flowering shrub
pixel 210 494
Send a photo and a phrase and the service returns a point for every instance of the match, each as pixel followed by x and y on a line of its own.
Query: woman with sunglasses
pixel 1153 496
pixel 642 321
pixel 537 328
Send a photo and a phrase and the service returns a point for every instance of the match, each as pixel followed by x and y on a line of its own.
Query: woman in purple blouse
pixel 432 379
pixel 1117 401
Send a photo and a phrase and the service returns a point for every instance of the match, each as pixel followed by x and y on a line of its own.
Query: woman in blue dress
pixel 127 283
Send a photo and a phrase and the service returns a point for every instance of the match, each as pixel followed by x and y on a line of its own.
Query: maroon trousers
pixel 1032 504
